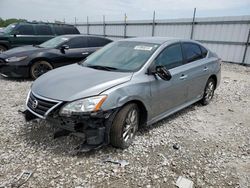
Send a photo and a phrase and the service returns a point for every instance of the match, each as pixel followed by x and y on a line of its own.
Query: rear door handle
pixel 85 53
pixel 205 69
pixel 183 77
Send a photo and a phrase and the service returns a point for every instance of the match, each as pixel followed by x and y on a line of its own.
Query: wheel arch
pixel 214 77
pixel 40 59
pixel 142 110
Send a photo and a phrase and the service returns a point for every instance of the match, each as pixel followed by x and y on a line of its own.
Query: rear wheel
pixel 39 68
pixel 209 92
pixel 124 126
pixel 2 49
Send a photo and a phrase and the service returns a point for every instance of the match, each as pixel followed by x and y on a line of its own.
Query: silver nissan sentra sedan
pixel 123 86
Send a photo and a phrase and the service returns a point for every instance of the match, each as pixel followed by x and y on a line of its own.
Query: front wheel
pixel 124 126
pixel 39 68
pixel 208 92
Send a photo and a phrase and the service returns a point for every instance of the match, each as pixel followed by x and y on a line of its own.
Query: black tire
pixel 120 126
pixel 2 49
pixel 39 67
pixel 208 92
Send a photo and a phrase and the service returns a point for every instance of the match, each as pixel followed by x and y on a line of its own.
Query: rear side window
pixel 43 30
pixel 77 42
pixel 59 30
pixel 170 57
pixel 97 42
pixel 25 30
pixel 70 30
pixel 192 51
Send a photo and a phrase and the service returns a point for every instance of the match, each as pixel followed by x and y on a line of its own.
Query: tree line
pixel 4 23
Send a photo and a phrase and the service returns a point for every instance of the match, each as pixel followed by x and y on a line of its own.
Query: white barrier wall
pixel 227 36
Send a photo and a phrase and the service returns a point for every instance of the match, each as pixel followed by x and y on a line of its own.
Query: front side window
pixel 170 57
pixel 192 52
pixel 43 30
pixel 125 56
pixel 25 30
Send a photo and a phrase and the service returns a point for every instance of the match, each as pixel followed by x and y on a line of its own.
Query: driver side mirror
pixel 64 47
pixel 161 71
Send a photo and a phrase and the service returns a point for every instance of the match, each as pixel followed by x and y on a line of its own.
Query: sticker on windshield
pixel 146 48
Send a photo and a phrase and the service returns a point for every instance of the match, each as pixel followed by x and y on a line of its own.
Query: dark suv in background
pixel 28 33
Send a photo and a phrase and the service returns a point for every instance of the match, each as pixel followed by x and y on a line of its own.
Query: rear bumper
pixel 14 71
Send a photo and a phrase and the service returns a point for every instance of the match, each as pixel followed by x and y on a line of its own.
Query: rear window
pixel 78 42
pixel 97 42
pixel 192 51
pixel 25 30
pixel 43 30
pixel 70 30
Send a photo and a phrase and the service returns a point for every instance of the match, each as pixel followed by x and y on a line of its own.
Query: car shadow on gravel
pixel 39 135
pixel 16 79
pixel 146 129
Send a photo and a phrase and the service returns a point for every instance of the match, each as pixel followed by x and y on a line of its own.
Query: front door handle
pixel 85 53
pixel 183 77
pixel 205 69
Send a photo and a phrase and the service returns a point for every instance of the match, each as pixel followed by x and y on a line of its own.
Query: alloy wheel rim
pixel 209 91
pixel 131 124
pixel 41 69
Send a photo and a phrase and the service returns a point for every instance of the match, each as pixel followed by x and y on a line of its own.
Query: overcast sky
pixel 50 10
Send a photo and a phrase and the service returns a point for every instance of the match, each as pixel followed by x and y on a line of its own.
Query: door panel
pixel 198 69
pixel 167 95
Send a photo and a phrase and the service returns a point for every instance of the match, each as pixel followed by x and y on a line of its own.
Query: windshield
pixel 55 42
pixel 128 56
pixel 9 28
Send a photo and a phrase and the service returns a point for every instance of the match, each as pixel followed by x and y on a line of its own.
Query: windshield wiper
pixel 102 67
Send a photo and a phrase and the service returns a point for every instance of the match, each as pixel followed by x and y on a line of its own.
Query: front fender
pixel 127 92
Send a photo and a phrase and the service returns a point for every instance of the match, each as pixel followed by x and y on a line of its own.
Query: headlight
pixel 90 104
pixel 15 59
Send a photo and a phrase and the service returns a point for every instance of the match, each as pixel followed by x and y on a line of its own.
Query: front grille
pixel 38 105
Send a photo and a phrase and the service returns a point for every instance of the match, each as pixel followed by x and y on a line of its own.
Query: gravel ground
pixel 214 144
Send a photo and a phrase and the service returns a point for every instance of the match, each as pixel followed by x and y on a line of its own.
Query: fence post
pixel 125 25
pixel 104 26
pixel 245 51
pixel 153 25
pixel 87 25
pixel 193 22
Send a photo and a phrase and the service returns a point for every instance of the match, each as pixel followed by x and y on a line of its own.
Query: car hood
pixel 22 51
pixel 74 82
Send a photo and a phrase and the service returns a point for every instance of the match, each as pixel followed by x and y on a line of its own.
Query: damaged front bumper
pixel 93 128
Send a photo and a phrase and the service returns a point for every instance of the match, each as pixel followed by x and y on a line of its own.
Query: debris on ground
pixel 122 163
pixel 176 146
pixel 18 181
pixel 184 183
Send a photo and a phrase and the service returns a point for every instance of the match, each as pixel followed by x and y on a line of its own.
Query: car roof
pixel 158 40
